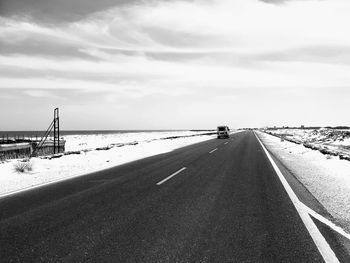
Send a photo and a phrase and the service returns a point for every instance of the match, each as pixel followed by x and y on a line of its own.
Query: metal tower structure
pixel 55 126
pixel 56 131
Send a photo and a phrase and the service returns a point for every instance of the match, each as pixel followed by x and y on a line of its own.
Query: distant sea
pixel 20 134
pixel 74 132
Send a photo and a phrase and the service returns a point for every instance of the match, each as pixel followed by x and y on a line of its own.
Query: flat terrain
pixel 215 201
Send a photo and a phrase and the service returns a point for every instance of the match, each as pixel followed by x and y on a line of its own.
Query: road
pixel 215 201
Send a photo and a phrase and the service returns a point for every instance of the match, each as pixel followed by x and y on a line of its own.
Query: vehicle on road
pixel 223 132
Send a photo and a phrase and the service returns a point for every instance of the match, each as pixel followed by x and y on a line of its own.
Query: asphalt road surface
pixel 215 201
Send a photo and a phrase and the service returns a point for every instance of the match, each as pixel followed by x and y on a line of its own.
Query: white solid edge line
pixel 213 150
pixel 172 175
pixel 323 247
pixel 325 221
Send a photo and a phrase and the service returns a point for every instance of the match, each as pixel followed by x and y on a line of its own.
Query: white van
pixel 223 132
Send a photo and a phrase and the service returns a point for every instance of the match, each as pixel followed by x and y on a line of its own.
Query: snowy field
pixel 326 177
pixel 331 141
pixel 93 153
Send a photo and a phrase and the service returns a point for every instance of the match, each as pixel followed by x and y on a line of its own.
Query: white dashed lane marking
pixel 213 150
pixel 172 175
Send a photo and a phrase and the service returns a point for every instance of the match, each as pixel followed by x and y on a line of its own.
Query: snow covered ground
pixel 329 141
pixel 326 177
pixel 114 149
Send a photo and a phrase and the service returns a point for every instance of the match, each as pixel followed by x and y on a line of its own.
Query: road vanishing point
pixel 225 200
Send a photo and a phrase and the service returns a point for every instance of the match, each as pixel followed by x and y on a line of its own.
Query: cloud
pixel 52 11
pixel 194 28
pixel 44 48
pixel 330 54
pixel 144 52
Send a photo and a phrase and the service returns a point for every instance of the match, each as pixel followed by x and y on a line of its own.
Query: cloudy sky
pixel 132 64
